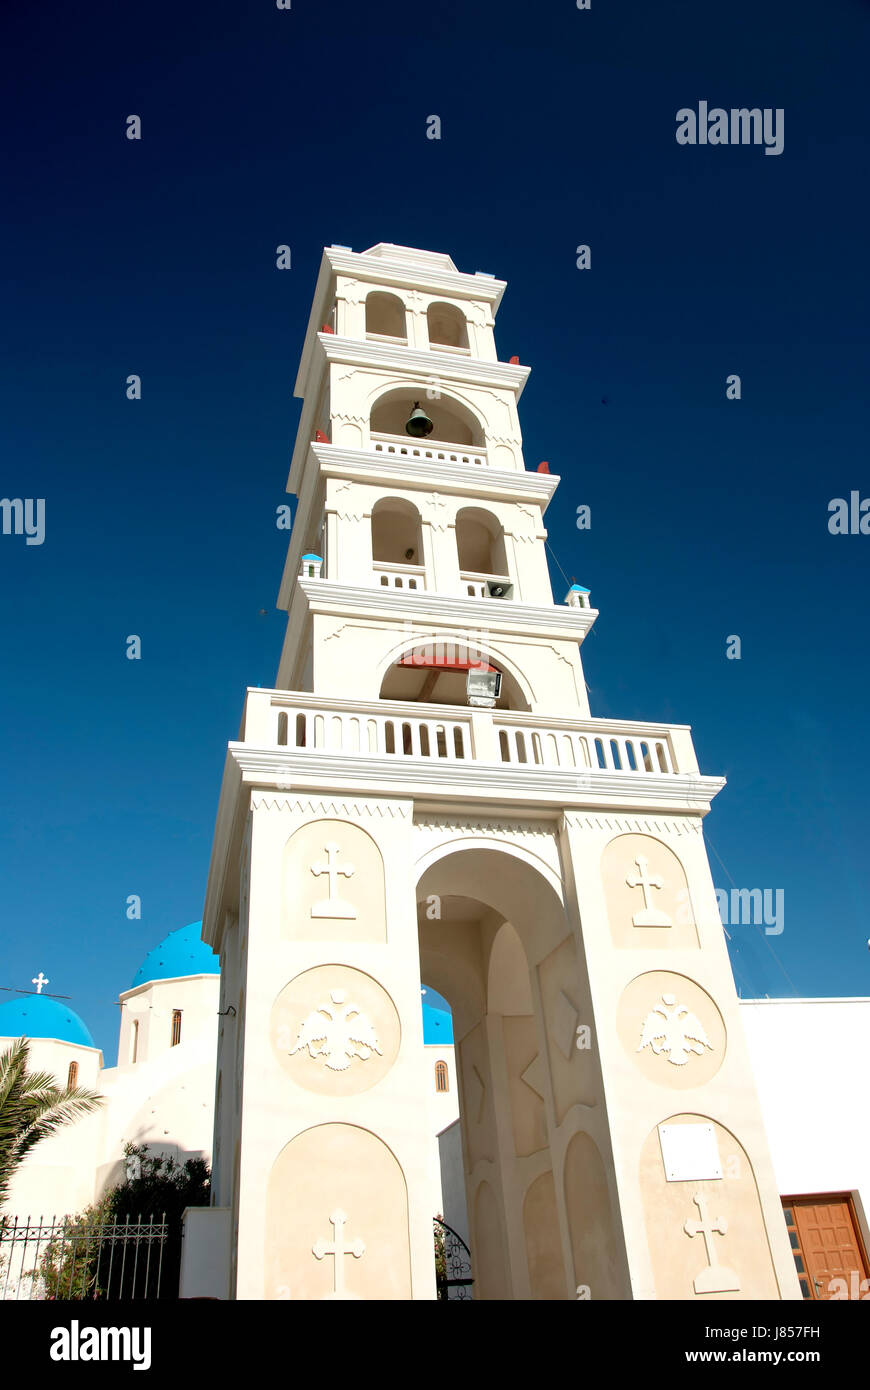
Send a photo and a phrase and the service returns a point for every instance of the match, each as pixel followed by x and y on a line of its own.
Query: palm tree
pixel 33 1106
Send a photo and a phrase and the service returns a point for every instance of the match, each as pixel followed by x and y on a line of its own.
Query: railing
pixel 386 338
pixel 476 585
pixel 399 729
pixel 450 347
pixel 565 748
pixel 440 453
pixel 402 736
pixel 388 576
pixel 81 1257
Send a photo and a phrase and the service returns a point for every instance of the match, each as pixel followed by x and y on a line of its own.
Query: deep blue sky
pixel 709 517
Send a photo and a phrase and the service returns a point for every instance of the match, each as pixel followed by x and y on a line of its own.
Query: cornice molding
pixel 426 278
pixel 479 826
pixel 430 779
pixel 489 615
pixel 624 825
pixel 369 466
pixel 313 806
pixel 401 360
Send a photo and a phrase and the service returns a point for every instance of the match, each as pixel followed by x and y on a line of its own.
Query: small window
pixel 176 1028
pixel 72 1077
pixel 442 1079
pixel 134 1041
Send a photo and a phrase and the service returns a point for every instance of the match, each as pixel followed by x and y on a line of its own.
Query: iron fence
pixel 77 1257
pixel 452 1264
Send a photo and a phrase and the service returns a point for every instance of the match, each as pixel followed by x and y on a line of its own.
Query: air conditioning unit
pixel 499 588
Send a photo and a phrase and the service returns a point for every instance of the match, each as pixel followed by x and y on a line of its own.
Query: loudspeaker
pixel 499 588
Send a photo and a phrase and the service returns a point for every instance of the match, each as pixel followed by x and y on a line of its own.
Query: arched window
pixel 176 1028
pixel 72 1076
pixel 134 1041
pixel 397 544
pixel 447 326
pixel 442 1078
pixel 385 316
pixel 480 543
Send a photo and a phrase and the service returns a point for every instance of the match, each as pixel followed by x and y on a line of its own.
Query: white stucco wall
pixel 164 1100
pixel 809 1057
pixel 454 1208
pixel 58 1174
pixel 205 1252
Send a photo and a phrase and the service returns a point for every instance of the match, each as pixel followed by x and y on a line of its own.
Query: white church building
pixel 160 1093
pixel 425 802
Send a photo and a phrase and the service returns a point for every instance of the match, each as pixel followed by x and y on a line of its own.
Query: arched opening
pixel 385 316
pixel 453 422
pixel 397 544
pixel 447 326
pixel 452 1257
pixel 436 673
pixel 481 549
pixel 495 944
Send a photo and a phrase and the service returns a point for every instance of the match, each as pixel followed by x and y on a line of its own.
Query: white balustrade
pixel 542 747
pixel 387 576
pixel 568 748
pixel 402 736
pixel 390 729
pixel 439 453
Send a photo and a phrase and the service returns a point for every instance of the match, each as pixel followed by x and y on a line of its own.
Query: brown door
pixel 827 1246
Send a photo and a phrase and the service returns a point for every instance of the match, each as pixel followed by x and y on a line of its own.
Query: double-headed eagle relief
pixel 338 1033
pixel 676 1031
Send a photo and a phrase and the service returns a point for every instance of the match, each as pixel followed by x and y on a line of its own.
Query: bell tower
pixel 425 797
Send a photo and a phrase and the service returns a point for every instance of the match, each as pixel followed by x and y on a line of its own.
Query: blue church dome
pixel 182 952
pixel 38 1016
pixel 437 1018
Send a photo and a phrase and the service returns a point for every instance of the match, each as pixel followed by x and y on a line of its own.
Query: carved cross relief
pixel 715 1278
pixel 337 1248
pixel 648 915
pixel 334 905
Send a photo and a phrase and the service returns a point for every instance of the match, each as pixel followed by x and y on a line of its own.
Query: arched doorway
pixel 495 942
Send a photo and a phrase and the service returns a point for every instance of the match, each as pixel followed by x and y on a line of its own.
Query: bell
pixel 418 423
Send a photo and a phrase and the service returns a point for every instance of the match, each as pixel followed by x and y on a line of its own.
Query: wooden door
pixel 826 1245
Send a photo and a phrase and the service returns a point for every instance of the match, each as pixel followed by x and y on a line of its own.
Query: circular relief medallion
pixel 335 1030
pixel 671 1029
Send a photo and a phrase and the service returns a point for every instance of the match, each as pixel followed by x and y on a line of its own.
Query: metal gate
pixel 75 1257
pixel 452 1264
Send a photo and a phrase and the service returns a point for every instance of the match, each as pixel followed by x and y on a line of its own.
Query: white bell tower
pixel 425 797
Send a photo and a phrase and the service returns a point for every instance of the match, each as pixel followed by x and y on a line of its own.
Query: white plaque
pixel 690 1152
